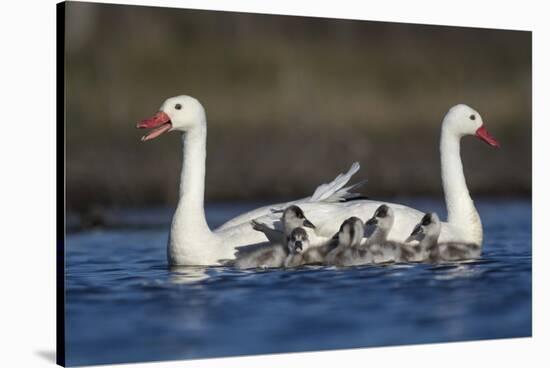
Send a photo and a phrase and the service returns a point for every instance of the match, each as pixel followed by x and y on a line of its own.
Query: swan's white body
pixel 192 242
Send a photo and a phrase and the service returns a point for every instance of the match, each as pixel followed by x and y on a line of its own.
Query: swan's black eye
pixel 472 117
pixel 178 106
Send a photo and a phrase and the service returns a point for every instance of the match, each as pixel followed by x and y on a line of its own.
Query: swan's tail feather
pixel 335 191
pixel 346 194
pixel 332 192
pixel 324 191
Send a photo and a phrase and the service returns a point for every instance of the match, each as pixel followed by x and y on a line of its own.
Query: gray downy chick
pixel 379 248
pixel 348 240
pixel 292 217
pixel 268 256
pixel 427 232
pixel 298 240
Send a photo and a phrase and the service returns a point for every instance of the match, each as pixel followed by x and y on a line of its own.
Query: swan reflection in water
pixel 188 274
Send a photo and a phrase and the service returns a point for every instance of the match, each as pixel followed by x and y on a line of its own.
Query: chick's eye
pixel 472 117
pixel 178 106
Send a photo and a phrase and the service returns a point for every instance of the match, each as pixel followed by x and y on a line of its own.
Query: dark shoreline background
pixel 291 102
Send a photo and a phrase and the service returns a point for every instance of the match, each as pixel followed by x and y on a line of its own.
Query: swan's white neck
pixel 190 231
pixel 461 212
pixel 191 193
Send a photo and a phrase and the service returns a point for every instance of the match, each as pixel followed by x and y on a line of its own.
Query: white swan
pixel 463 225
pixel 192 242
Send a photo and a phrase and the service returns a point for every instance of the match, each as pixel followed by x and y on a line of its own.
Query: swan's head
pixel 294 217
pixel 297 241
pixel 428 227
pixel 382 218
pixel 463 120
pixel 351 232
pixel 180 113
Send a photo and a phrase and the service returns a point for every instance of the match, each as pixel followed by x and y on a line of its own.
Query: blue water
pixel 123 304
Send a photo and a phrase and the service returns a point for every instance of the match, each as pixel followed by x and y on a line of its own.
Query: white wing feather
pixel 325 193
pixel 329 192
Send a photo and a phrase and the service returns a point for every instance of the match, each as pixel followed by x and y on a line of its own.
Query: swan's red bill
pixel 160 122
pixel 484 135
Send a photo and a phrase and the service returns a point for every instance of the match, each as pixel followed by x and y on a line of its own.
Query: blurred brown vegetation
pixel 290 102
